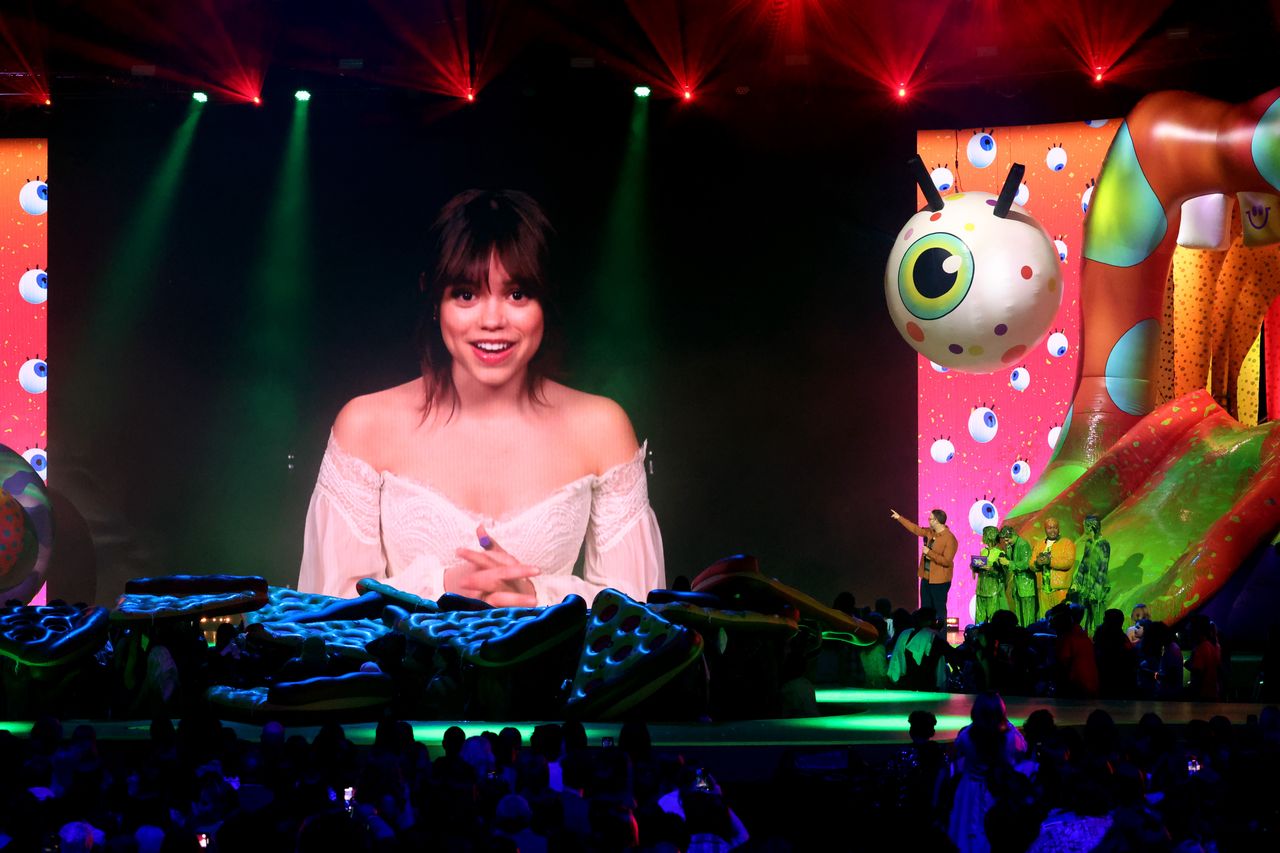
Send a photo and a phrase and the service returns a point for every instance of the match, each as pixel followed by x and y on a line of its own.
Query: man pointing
pixel 936 560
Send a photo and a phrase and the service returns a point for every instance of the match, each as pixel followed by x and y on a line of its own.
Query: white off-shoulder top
pixel 363 523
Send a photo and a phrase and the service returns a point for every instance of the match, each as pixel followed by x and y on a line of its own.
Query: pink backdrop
pixel 983 471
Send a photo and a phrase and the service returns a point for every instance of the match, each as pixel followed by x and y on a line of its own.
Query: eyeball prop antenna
pixel 973 283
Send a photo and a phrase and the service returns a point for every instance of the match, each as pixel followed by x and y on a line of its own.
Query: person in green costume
pixel 990 575
pixel 1091 585
pixel 1017 562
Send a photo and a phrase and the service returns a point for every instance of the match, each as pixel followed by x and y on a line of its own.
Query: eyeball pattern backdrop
pixel 983 439
pixel 24 288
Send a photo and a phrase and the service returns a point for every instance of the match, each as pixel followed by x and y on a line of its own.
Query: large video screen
pixel 240 275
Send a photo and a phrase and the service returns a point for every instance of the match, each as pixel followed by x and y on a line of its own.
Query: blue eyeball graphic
pixel 33 376
pixel 1053 436
pixel 938 368
pixel 942 450
pixel 34 197
pixel 983 424
pixel 1086 197
pixel 983 514
pixel 1061 246
pixel 1020 472
pixel 38 459
pixel 1096 122
pixel 34 286
pixel 981 149
pixel 942 178
pixel 1023 196
pixel 1057 345
pixel 1056 159
pixel 1020 379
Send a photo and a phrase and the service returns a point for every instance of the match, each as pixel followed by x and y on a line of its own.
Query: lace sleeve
pixel 342 540
pixel 623 544
pixel 618 500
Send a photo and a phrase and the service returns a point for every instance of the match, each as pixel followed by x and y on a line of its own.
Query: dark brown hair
pixel 473 227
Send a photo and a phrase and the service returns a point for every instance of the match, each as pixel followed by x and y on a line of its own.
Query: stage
pixel 855 718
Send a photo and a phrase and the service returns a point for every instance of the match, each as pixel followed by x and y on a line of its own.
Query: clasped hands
pixel 492 575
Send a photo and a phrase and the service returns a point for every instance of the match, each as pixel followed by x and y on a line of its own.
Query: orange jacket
pixel 940 551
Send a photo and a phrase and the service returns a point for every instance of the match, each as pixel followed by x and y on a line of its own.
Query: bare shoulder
pixel 365 423
pixel 600 425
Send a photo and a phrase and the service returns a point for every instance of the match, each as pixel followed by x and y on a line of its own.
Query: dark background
pixel 778 400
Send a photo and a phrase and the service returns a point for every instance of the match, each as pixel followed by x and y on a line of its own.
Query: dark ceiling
pixel 964 62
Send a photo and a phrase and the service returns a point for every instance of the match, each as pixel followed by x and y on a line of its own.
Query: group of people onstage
pixel 1028 578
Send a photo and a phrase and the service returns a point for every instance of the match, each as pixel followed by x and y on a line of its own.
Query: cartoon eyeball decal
pixel 942 178
pixel 983 514
pixel 983 424
pixel 34 286
pixel 1056 159
pixel 1023 196
pixel 1020 379
pixel 1087 197
pixel 981 149
pixel 1097 122
pixel 1053 436
pixel 1056 345
pixel 34 197
pixel 1020 472
pixel 33 376
pixel 942 450
pixel 938 368
pixel 972 291
pixel 1061 246
pixel 38 459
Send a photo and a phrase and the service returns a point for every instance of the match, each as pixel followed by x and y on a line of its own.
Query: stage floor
pixel 854 718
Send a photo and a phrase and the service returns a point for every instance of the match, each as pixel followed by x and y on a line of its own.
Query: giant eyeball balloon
pixel 33 375
pixel 983 424
pixel 983 514
pixel 34 286
pixel 34 197
pixel 970 290
pixel 942 450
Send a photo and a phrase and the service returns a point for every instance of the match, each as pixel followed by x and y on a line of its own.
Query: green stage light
pixel 302 95
pixel 851 696
pixel 199 97
pixel 643 91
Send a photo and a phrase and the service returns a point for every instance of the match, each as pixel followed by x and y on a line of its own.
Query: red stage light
pixel 257 101
pixel 471 94
pixel 48 102
pixel 688 95
pixel 902 93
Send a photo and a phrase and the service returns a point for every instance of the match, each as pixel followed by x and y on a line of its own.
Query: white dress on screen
pixel 363 523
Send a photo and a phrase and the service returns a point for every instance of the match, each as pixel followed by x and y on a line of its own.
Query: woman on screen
pixel 484 477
